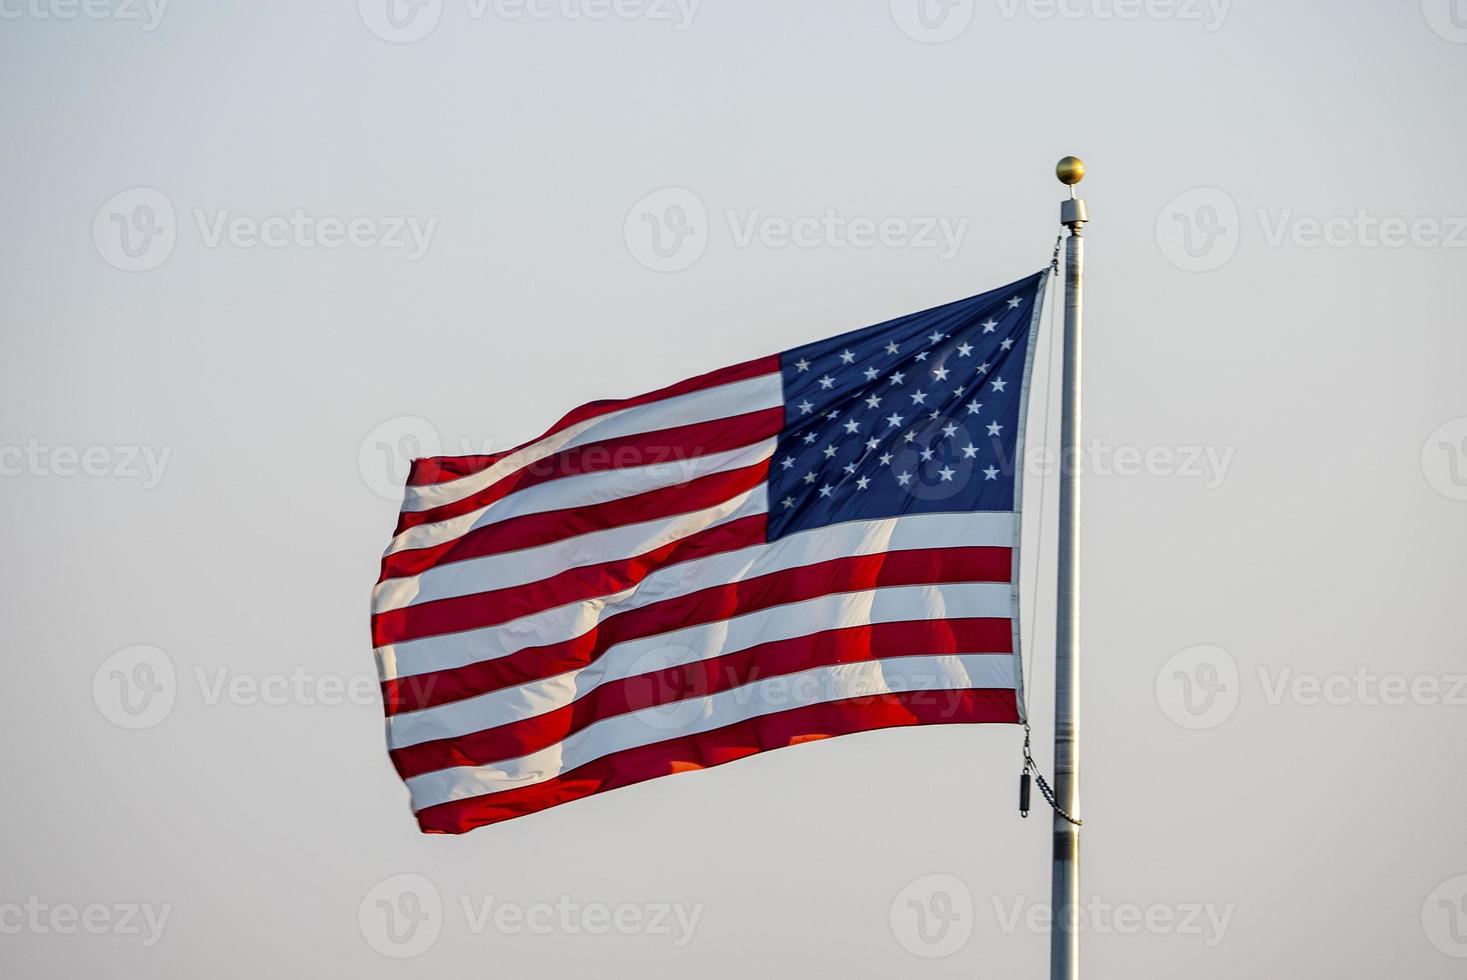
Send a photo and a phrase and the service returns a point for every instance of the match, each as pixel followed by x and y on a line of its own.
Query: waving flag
pixel 812 544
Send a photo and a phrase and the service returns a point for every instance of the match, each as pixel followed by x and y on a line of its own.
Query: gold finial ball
pixel 1070 170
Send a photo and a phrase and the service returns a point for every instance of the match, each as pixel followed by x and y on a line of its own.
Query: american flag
pixel 812 544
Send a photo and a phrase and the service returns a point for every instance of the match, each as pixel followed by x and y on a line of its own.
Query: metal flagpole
pixel 1064 943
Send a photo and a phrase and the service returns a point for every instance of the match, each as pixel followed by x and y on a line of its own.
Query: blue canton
pixel 917 415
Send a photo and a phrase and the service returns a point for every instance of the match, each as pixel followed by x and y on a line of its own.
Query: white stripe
pixel 769 696
pixel 636 657
pixel 706 405
pixel 975 529
pixel 513 568
pixel 584 490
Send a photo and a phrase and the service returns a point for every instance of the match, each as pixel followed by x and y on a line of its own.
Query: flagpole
pixel 1064 944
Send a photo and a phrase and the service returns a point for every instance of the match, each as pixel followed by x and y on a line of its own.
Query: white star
pixel 809 438
pixel 940 373
pixel 958 391
pixel 829 452
pixel 827 382
pixel 809 477
pixel 894 419
pixel 936 337
pixel 874 401
pixel 949 430
pixel 1008 344
pixel 802 365
pixel 927 455
pixel 974 407
pixel 846 357
pixel 884 459
pixel 871 374
pixel 789 502
pixel 994 428
pixel 910 437
pixel 991 473
pixel 919 398
pixel 872 443
pixel 1014 303
pixel 852 427
pixel 904 478
pixel 832 413
pixel 998 384
pixel 898 378
pixel 825 490
pixel 863 483
pixel 787 462
pixel 990 325
pixel 965 349
pixel 892 348
pixel 805 407
pixel 923 356
pixel 933 415
pixel 946 473
pixel 970 451
pixel 850 467
pixel 983 368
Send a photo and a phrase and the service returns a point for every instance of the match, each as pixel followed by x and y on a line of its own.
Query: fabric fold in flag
pixel 813 544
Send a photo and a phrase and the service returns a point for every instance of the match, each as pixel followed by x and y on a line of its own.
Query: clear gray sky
pixel 246 245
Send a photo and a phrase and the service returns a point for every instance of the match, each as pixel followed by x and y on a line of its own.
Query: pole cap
pixel 1070 170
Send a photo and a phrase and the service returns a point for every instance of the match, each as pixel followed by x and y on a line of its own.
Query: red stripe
pixel 533 530
pixel 708 749
pixel 860 573
pixel 855 644
pixel 670 446
pixel 441 469
pixel 572 585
